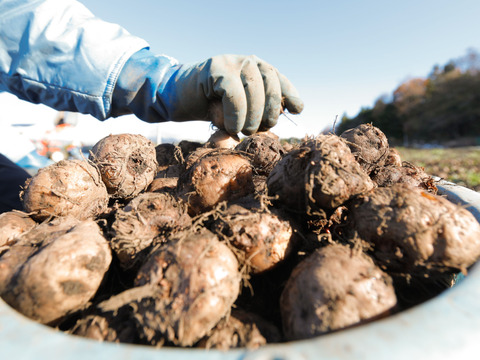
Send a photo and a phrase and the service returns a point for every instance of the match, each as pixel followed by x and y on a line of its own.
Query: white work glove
pixel 253 92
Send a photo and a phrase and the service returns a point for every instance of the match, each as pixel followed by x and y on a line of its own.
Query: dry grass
pixel 458 165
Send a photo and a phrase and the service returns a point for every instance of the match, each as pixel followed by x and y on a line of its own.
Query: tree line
pixel 442 108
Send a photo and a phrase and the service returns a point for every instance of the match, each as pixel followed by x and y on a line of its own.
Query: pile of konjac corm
pixel 230 243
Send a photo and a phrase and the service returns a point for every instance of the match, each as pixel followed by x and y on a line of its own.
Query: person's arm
pixel 252 93
pixel 55 52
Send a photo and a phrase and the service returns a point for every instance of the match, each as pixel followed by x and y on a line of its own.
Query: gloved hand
pixel 253 93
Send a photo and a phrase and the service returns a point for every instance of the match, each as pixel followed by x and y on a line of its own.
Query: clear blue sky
pixel 341 55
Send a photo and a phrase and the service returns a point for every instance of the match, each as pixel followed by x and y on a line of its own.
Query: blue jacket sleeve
pixel 55 52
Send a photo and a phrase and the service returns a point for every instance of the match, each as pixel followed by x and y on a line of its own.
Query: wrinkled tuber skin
pixel 197 281
pixel 62 276
pixel 219 175
pixel 67 188
pixel 393 158
pixel 260 185
pixel 44 232
pixel 321 174
pixel 262 238
pixel 320 224
pixel 127 162
pixel 113 319
pixel 11 261
pixel 289 146
pixel 168 154
pixel 111 328
pixel 331 289
pixel 266 151
pixel 368 144
pixel 405 174
pixel 141 221
pixel 241 329
pixel 168 172
pixel 188 147
pixel 170 161
pixel 163 185
pixel 16 254
pixel 197 154
pixel 414 231
pixel 12 225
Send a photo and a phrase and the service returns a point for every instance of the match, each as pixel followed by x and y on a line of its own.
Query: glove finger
pixel 273 95
pixel 255 95
pixel 291 98
pixel 234 103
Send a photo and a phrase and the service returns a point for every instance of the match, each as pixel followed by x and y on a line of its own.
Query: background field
pixel 458 165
